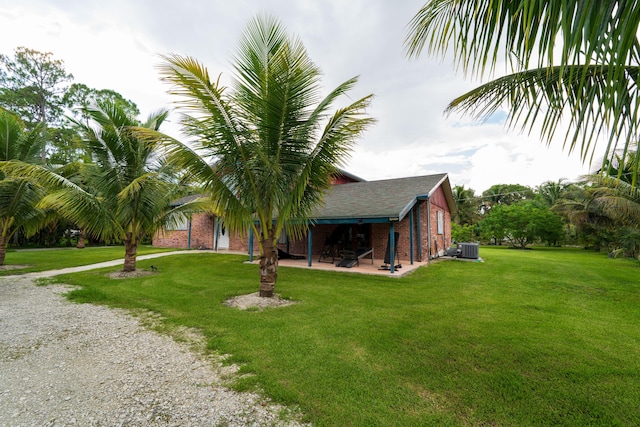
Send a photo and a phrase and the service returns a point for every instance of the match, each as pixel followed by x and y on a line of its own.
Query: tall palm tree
pixel 576 60
pixel 271 136
pixel 19 195
pixel 129 185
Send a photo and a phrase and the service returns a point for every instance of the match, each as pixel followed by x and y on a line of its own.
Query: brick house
pixel 357 216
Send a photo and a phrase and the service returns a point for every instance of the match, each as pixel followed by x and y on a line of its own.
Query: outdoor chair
pixel 352 258
pixel 387 254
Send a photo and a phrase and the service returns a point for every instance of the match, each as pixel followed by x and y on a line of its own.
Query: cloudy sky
pixel 116 45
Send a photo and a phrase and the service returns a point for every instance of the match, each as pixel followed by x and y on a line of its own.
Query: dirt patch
pixel 255 302
pixel 130 274
pixel 14 267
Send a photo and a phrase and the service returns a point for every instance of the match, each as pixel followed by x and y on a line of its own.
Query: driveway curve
pixel 64 364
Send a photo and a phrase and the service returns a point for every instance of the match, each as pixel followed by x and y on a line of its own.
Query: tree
pixel 129 180
pixel 505 194
pixel 32 84
pixel 578 206
pixel 271 135
pixel 130 186
pixel 549 192
pixel 66 146
pixel 574 60
pixel 522 223
pixel 19 195
pixel 79 97
pixel 468 205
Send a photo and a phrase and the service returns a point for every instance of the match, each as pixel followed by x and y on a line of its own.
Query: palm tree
pixel 549 192
pixel 468 205
pixel 133 185
pixel 271 137
pixel 19 195
pixel 576 60
pixel 129 185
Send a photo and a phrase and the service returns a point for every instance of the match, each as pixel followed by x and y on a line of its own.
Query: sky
pixel 117 45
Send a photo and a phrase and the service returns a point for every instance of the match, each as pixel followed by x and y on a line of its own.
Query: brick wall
pixel 201 235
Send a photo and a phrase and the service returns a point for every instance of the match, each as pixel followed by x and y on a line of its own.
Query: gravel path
pixel 64 364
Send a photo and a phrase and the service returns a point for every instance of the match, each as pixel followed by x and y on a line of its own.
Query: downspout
pixel 420 251
pixel 250 244
pixel 213 231
pixel 429 228
pixel 411 240
pixel 189 234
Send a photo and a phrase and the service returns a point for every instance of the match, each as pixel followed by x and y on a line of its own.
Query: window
pixel 180 223
pixel 440 223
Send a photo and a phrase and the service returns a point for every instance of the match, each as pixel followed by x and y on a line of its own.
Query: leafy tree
pixel 505 194
pixel 523 223
pixel 273 139
pixel 32 84
pixel 19 196
pixel 79 97
pixel 67 147
pixel 463 233
pixel 567 59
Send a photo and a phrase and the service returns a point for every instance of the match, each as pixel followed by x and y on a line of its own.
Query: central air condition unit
pixel 468 250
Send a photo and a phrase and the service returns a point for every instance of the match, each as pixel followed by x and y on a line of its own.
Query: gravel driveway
pixel 64 364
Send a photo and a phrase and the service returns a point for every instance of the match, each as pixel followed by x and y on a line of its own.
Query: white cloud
pixel 115 45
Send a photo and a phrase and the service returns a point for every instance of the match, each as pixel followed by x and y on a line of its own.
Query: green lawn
pixel 53 259
pixel 537 337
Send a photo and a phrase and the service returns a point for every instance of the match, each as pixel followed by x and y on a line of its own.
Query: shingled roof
pixel 380 201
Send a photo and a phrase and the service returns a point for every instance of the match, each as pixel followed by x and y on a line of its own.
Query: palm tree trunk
pixel 268 268
pixel 130 253
pixel 3 249
pixel 81 239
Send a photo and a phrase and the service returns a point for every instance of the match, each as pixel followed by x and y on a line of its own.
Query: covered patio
pixel 396 222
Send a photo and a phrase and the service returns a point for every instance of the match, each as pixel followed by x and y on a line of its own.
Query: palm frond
pixel 553 97
pixel 589 31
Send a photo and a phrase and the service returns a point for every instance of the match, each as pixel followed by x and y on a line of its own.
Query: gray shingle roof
pixel 186 199
pixel 379 200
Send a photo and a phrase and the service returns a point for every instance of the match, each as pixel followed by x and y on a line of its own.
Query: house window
pixel 440 223
pixel 177 224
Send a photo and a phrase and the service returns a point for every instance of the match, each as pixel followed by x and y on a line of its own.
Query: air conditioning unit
pixel 468 250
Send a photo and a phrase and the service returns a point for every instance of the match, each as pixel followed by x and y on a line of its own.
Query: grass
pixel 54 259
pixel 540 337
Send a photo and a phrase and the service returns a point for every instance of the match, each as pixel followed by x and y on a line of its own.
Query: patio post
pixel 217 233
pixel 411 236
pixel 309 245
pixel 392 245
pixel 420 256
pixel 250 244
